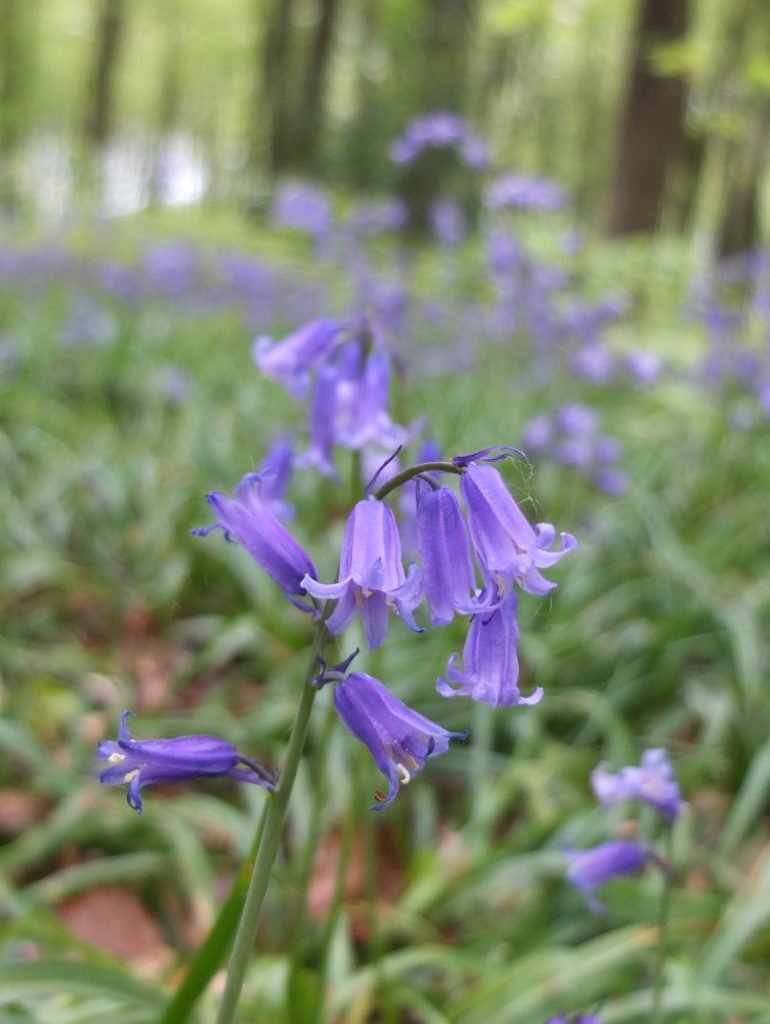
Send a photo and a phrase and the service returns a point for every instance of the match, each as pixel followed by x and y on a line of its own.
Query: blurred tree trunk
pixel 446 35
pixel 308 120
pixel 364 152
pixel 651 122
pixel 100 98
pixel 11 113
pixel 275 72
pixel 169 96
pixel 739 227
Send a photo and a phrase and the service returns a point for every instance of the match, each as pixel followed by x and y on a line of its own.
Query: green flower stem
pixel 663 918
pixel 211 952
pixel 271 839
pixel 412 471
pixel 305 869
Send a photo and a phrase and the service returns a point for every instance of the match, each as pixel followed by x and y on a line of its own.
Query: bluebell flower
pixel 305 207
pixel 520 191
pixel 275 477
pixel 399 739
pixel 158 762
pixel 371 578
pixel 590 869
pixel 652 782
pixel 447 222
pixel 361 408
pixel 247 518
pixel 445 556
pixel 490 671
pixel 323 404
pixel 508 547
pixel 579 1018
pixel 292 360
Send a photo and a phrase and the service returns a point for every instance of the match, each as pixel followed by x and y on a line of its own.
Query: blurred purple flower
pixel 376 217
pixel 652 782
pixel 579 1018
pixel 275 477
pixel 399 739
pixel 248 518
pixel 577 420
pixel 371 578
pixel 525 193
pixel 592 362
pixel 490 670
pixel 644 368
pixel 538 434
pixel 440 129
pixel 88 324
pixel 612 481
pixel 590 869
pixel 292 360
pixel 159 762
pixel 304 207
pixel 447 222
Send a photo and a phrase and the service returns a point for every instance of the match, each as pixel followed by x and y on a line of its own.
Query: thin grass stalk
pixel 271 839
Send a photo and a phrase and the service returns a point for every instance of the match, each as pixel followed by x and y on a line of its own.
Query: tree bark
pixel 651 122
pixel 100 99
pixel 274 86
pixel 10 98
pixel 739 228
pixel 308 121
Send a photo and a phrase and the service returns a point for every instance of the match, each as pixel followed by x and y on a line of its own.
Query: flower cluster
pixel 440 129
pixel 344 369
pixel 474 557
pixel 571 437
pixel 476 552
pixel 521 192
pixel 651 782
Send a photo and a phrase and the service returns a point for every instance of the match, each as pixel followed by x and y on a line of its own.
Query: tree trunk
pixel 739 228
pixel 363 156
pixel 169 98
pixel 100 100
pixel 447 34
pixel 275 76
pixel 308 121
pixel 651 122
pixel 11 113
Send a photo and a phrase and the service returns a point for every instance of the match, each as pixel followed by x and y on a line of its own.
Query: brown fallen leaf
pixel 114 919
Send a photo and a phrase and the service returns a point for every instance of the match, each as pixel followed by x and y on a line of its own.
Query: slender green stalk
pixel 305 869
pixel 207 960
pixel 660 962
pixel 271 839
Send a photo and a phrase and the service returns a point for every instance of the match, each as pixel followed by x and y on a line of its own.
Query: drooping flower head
pixel 293 360
pixel 445 555
pixel 490 671
pixel 652 782
pixel 247 518
pixel 371 578
pixel 509 549
pixel 399 739
pixel 590 869
pixel 141 763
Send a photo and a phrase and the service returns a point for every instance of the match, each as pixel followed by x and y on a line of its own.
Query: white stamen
pixel 403 772
pixel 116 758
